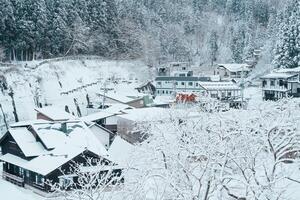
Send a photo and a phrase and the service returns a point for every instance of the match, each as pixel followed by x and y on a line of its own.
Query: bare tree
pixel 95 180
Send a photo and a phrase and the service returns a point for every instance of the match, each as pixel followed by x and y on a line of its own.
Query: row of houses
pixel 46 147
pixel 179 78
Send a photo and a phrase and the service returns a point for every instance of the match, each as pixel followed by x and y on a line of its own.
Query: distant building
pixel 146 88
pixel 136 101
pixel 170 85
pixel 281 83
pixel 51 113
pixel 232 71
pixel 173 68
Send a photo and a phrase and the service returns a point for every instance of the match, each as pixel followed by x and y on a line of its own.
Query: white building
pixel 233 71
pixel 281 83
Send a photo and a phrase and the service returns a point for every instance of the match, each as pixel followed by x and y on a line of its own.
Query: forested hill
pixel 202 31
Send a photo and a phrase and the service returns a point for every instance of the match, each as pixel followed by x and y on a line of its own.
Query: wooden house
pixel 35 152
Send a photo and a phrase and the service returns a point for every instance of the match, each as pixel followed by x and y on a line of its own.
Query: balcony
pixel 13 178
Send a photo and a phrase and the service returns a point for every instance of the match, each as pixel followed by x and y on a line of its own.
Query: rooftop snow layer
pixel 219 86
pixel 235 67
pixel 120 151
pixel 278 75
pixel 54 113
pixel 27 142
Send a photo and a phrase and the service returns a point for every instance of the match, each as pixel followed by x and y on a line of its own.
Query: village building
pixel 51 113
pixel 38 151
pixel 232 71
pixel 135 100
pixel 107 118
pixel 146 88
pixel 130 124
pixel 170 85
pixel 281 83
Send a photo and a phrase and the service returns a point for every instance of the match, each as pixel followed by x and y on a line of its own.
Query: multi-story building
pixel 281 83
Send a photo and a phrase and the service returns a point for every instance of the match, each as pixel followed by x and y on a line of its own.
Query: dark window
pixel 272 83
pixel 176 83
pixel 197 84
pixel 158 83
pixel 190 83
pixel 264 83
pixel 163 91
pixel 280 82
pixel 182 83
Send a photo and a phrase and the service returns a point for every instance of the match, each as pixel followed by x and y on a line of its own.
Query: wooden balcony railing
pixel 13 178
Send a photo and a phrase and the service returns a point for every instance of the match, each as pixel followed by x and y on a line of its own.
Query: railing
pixel 13 178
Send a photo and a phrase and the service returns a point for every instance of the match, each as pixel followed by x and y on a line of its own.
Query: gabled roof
pixel 27 142
pixel 64 141
pixel 114 109
pixel 54 113
pixel 233 67
pixel 120 151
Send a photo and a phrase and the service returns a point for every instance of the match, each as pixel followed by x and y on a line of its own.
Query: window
pixel 163 92
pixel 157 91
pixel 21 172
pixel 65 182
pixel 280 82
pixel 39 179
pixel 272 83
pixel 264 83
pixel 229 94
pixel 158 83
pixel 167 92
pixel 176 83
pixel 190 83
pixel 197 84
pixel 182 83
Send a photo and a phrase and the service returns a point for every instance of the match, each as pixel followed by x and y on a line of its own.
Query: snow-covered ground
pixel 60 82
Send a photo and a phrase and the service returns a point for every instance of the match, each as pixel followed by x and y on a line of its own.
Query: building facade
pixel 281 83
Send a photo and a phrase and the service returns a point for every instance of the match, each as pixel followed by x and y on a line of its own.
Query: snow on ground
pixel 13 192
pixel 59 83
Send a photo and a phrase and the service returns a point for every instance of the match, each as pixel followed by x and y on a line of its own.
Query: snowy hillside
pixel 59 82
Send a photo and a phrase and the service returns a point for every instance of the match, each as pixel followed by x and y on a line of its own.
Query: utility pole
pixel 4 117
pixel 242 88
pixel 104 94
pixel 11 94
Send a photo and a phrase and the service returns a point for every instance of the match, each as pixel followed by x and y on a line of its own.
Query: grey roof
pixel 181 78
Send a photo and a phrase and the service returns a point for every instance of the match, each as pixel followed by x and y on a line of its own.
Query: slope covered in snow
pixel 60 82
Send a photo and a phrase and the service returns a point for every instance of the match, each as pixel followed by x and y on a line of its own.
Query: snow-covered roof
pixel 26 141
pixel 146 114
pixel 114 109
pixel 27 123
pixel 97 116
pixel 278 75
pixel 43 164
pixel 63 142
pixel 235 67
pixel 120 151
pixel 123 93
pixel 289 70
pixel 220 85
pixel 54 113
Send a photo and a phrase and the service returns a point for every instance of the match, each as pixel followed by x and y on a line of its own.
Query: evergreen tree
pixel 287 51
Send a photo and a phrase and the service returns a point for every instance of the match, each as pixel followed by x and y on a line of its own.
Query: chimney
pixel 64 127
